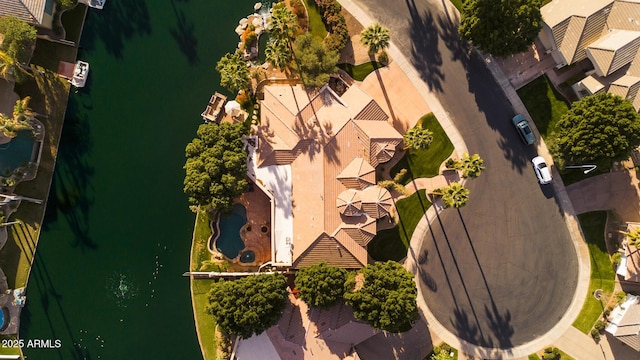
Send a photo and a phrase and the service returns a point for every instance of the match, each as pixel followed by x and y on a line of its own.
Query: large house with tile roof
pixel 314 154
pixel 35 12
pixel 607 33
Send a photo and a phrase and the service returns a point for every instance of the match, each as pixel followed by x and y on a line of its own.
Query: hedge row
pixel 336 24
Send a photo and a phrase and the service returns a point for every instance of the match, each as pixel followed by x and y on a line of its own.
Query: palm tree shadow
pixel 426 57
pixel 184 35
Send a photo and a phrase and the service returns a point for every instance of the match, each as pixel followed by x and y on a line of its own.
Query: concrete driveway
pixel 502 271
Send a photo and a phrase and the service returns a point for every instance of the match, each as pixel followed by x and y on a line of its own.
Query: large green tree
pixel 278 53
pixel 216 165
pixel 18 36
pixel 376 37
pixel 249 305
pixel 384 295
pixel 321 285
pixel 234 73
pixel 597 128
pixel 313 61
pixel 501 27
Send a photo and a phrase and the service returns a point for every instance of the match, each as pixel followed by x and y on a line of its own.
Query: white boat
pixel 80 74
pixel 97 4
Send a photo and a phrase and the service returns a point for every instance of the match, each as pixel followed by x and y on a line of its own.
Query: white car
pixel 543 173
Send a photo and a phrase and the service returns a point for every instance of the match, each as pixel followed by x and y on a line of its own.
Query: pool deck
pixel 258 207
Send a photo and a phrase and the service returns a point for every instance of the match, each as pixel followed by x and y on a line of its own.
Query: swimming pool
pixel 16 153
pixel 229 242
pixel 4 318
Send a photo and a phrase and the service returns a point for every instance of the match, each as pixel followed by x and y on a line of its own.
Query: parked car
pixel 522 125
pixel 541 169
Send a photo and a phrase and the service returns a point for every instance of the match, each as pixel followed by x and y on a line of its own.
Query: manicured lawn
pixel 359 72
pixel 201 234
pixel 204 322
pixel 602 273
pixel 457 4
pixel 316 26
pixel 426 163
pixel 545 105
pixel 392 244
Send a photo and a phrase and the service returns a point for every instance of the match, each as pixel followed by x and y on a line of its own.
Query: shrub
pixel 551 353
pixel 600 325
pixel 595 334
pixel 620 297
pixel 615 259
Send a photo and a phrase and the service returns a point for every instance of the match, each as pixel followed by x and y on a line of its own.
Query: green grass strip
pixel 205 323
pixel 360 72
pixel 392 244
pixel 602 273
pixel 425 163
pixel 545 105
pixel 316 25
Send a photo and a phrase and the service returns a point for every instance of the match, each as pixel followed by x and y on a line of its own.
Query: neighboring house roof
pixel 31 11
pixel 257 344
pixel 627 88
pixel 625 322
pixel 332 157
pixel 613 50
pixel 574 24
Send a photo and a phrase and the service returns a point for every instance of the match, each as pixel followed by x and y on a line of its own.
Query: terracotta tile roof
pixel 348 202
pixel 376 201
pixel 359 174
pixel 372 111
pixel 31 11
pixel 328 249
pixel 331 154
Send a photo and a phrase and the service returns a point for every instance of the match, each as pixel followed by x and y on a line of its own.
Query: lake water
pixel 107 280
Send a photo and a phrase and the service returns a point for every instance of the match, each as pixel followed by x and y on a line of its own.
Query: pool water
pixel 247 257
pixel 229 243
pixel 16 152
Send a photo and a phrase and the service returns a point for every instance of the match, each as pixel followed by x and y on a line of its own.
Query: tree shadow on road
pixel 424 37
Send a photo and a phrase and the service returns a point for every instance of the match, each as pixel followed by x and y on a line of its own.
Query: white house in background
pixel 625 322
pixel 36 12
pixel 607 33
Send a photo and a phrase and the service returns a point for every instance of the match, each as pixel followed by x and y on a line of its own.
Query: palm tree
pixel 234 73
pixel 10 126
pixel 471 165
pixel 632 236
pixel 376 37
pixel 10 67
pixel 455 195
pixel 418 138
pixel 284 24
pixel 278 54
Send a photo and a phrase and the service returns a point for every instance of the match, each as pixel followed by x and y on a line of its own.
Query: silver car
pixel 543 173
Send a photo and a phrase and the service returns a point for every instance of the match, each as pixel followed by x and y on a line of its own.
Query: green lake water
pixel 107 279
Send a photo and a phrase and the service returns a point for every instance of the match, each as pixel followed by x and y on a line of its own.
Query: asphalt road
pixel 502 271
